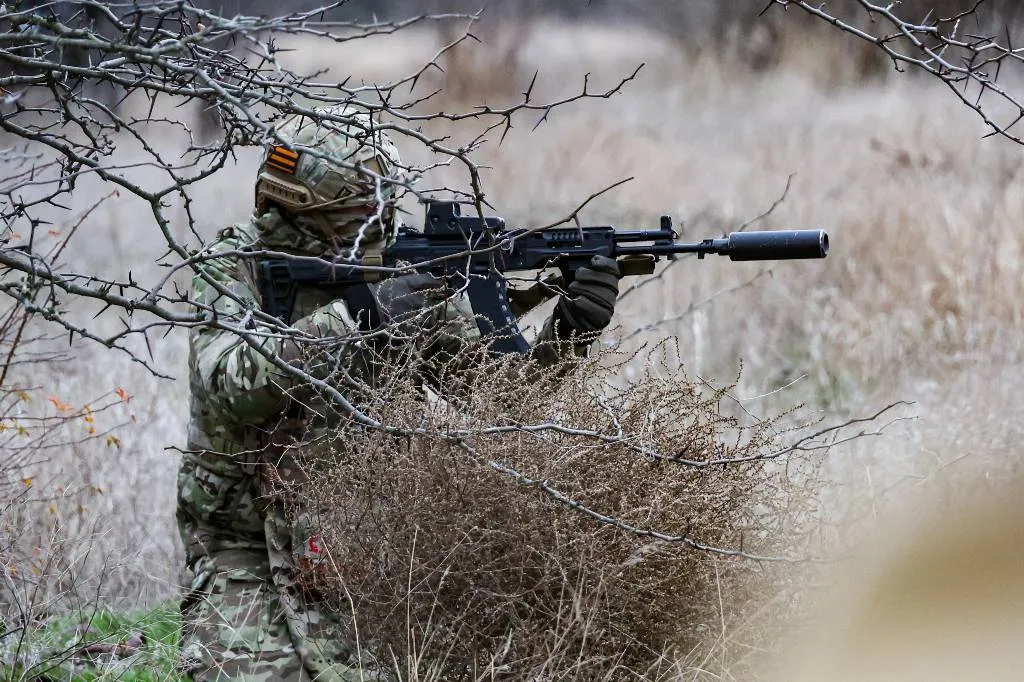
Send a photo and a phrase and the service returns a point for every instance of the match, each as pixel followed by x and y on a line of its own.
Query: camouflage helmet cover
pixel 317 165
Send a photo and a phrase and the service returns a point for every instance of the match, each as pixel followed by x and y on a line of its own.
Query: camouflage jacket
pixel 241 409
pixel 238 394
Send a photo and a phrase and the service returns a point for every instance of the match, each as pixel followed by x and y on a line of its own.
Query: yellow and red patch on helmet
pixel 283 159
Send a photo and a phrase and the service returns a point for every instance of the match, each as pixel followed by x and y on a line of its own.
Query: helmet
pixel 337 175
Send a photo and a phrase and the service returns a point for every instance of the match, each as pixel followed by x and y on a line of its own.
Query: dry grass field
pixel 918 300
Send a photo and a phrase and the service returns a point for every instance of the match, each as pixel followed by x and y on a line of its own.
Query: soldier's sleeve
pixel 417 304
pixel 550 350
pixel 234 377
pixel 237 377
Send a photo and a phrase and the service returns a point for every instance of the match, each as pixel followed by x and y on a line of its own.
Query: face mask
pixel 334 234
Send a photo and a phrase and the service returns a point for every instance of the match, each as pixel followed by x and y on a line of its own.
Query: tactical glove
pixel 404 299
pixel 589 302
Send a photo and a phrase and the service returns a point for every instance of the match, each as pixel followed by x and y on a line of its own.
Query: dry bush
pixel 572 528
pixel 48 532
pixel 53 560
pixel 40 423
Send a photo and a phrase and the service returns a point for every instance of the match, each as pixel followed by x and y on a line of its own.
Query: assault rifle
pixel 473 252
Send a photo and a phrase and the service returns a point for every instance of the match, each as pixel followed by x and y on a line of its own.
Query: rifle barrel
pixel 741 246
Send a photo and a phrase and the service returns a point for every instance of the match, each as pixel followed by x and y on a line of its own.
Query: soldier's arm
pixel 549 349
pixel 581 313
pixel 235 377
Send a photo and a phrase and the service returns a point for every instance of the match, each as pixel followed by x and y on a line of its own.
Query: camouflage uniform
pixel 244 616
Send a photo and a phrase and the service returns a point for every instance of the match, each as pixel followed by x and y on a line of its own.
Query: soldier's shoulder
pixel 220 257
pixel 237 236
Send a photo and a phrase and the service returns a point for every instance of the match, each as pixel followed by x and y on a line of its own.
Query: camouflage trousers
pixel 239 625
pixel 243 617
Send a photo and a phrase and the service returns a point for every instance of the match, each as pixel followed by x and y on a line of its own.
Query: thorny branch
pixel 172 52
pixel 959 49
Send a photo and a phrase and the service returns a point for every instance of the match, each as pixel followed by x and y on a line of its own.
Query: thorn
pixel 529 89
pixel 541 119
pixel 508 127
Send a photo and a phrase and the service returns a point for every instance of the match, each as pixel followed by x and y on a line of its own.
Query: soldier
pixel 324 193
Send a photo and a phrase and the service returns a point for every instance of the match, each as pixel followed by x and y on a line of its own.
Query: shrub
pixel 535 526
pixel 48 575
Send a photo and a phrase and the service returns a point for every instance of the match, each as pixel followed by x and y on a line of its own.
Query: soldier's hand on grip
pixel 589 303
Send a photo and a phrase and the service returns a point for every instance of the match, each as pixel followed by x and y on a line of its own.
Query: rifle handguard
pixel 637 264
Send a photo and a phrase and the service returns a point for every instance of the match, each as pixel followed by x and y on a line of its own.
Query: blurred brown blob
pixel 939 596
